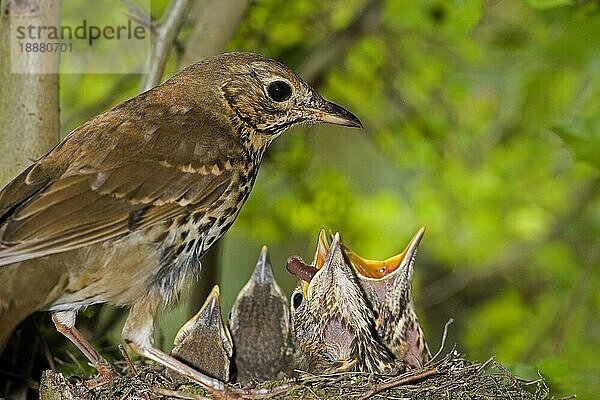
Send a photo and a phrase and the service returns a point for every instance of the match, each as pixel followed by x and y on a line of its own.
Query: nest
pixel 452 377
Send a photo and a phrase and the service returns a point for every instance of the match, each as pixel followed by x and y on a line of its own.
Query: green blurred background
pixel 481 122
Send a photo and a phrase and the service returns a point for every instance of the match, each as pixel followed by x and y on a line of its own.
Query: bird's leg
pixel 217 388
pixel 65 324
pixel 137 332
pixel 213 386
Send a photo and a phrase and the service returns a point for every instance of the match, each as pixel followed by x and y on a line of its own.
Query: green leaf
pixel 582 138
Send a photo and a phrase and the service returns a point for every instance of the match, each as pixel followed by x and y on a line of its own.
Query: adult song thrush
pixel 122 209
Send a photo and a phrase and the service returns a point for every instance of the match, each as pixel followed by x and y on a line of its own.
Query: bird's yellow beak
pixel 333 261
pixel 378 269
pixel 320 255
pixel 322 249
pixel 208 313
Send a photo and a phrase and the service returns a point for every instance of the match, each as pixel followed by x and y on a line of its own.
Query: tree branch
pixel 165 36
pixel 215 22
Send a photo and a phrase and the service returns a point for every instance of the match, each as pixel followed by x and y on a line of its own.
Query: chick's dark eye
pixel 279 91
pixel 297 300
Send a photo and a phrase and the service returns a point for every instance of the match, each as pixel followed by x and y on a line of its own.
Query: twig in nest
pixel 312 392
pixel 127 360
pixel 126 394
pixel 506 372
pixel 178 394
pixel 48 354
pixel 263 392
pixel 485 364
pixel 398 381
pixel 443 343
pixel 309 377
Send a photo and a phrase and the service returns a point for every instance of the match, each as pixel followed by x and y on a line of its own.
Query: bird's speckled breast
pixel 192 235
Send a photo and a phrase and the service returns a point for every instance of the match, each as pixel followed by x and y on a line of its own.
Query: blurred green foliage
pixel 481 122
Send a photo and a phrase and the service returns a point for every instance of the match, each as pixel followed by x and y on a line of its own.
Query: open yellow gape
pixel 374 269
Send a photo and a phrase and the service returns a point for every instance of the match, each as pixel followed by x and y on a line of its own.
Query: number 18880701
pixel 45 47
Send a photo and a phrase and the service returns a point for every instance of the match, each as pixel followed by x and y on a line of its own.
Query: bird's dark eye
pixel 297 300
pixel 279 91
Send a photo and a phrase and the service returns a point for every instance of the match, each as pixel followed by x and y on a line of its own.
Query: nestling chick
pixel 260 326
pixel 388 287
pixel 204 342
pixel 333 324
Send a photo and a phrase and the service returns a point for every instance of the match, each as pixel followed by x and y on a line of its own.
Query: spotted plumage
pixel 121 211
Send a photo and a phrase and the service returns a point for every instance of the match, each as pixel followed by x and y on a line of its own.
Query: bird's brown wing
pixel 44 216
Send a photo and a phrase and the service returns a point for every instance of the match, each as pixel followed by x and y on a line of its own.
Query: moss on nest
pixel 452 377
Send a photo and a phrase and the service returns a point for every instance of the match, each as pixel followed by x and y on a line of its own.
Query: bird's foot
pixel 106 374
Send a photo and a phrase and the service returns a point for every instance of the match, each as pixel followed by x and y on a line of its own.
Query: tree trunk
pixel 29 117
pixel 29 110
